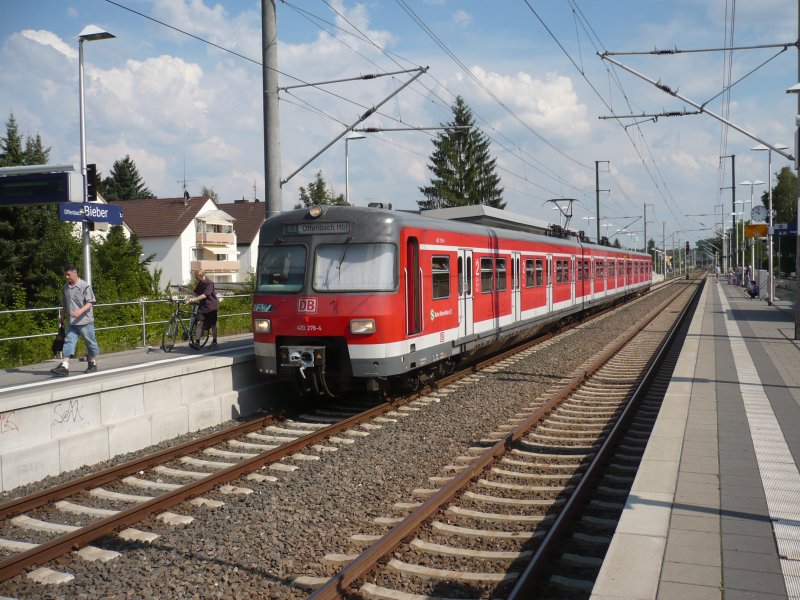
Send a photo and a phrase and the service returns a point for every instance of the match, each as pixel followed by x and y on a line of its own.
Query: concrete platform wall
pixel 85 420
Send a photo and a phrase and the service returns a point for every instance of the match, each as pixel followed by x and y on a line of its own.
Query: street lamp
pixel 752 184
pixel 771 275
pixel 90 33
pixel 351 136
pixel 795 89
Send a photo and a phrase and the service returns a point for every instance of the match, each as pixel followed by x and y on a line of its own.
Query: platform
pixel 714 511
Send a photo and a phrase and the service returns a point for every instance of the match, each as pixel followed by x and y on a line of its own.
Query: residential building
pixel 247 224
pixel 184 234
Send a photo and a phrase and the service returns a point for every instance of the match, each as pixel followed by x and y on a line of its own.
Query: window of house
pixel 440 277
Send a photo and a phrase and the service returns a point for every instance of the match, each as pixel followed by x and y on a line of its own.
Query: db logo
pixel 307 305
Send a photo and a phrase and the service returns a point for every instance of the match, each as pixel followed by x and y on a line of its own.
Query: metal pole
pixel 664 247
pixel 770 277
pixel 346 171
pixel 85 243
pixel 272 138
pixel 597 193
pixel 645 226
pixel 797 169
pixel 735 253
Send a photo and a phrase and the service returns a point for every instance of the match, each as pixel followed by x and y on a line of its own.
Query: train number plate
pixel 306 305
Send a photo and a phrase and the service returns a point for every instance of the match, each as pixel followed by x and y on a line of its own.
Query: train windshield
pixel 281 269
pixel 352 267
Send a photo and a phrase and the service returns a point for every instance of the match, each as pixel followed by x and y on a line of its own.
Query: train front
pixel 325 302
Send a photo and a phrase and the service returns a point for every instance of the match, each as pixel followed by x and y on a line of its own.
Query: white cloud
pixel 550 104
pixel 462 18
pixel 47 38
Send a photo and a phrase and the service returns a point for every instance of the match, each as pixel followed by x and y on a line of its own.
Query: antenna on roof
pixel 255 191
pixel 184 181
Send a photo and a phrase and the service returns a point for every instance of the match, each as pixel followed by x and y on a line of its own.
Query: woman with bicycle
pixel 206 298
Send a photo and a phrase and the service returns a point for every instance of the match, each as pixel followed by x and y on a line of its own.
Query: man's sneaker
pixel 213 344
pixel 194 345
pixel 92 368
pixel 60 371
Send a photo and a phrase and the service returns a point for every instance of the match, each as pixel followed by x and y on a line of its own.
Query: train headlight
pixel 362 326
pixel 315 211
pixel 262 325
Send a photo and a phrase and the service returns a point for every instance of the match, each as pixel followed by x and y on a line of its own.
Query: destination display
pixel 320 228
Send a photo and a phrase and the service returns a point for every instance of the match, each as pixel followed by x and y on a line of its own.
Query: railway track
pixel 70 517
pixel 490 525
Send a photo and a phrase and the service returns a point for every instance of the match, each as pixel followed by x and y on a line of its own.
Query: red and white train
pixel 347 295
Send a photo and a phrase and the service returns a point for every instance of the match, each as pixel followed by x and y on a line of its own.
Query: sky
pixel 189 112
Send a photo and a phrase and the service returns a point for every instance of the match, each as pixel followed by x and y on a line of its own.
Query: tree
pixel 210 193
pixel 34 242
pixel 124 182
pixel 319 192
pixel 463 172
pixel 120 272
pixel 11 152
pixel 616 243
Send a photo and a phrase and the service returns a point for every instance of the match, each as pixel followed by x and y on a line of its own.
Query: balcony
pixel 216 266
pixel 215 238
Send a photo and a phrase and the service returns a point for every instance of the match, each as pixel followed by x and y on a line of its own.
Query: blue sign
pixel 90 211
pixel 785 230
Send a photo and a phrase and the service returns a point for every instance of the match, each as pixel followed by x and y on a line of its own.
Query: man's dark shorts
pixel 208 319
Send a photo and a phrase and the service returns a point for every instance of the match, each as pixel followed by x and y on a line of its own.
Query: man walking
pixel 77 315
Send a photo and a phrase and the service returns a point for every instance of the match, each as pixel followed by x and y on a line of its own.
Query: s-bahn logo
pixel 306 305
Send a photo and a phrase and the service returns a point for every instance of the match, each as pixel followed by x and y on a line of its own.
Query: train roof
pixel 374 220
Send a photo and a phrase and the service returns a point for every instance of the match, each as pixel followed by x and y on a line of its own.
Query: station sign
pixel 39 188
pixel 785 229
pixel 90 211
pixel 755 230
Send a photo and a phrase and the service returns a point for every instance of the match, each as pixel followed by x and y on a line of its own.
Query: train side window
pixel 469 276
pixel 611 268
pixel 559 273
pixel 440 277
pixel 598 269
pixel 500 277
pixel 460 275
pixel 578 273
pixel 487 275
pixel 539 272
pixel 587 274
pixel 529 273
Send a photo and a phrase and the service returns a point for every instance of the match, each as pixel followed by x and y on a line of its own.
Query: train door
pixel 516 300
pixel 572 280
pixel 591 278
pixel 549 282
pixel 465 316
pixel 413 280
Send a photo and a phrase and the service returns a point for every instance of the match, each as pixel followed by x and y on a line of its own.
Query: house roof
pixel 160 217
pixel 249 217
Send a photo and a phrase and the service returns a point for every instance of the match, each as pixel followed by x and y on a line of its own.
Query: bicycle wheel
pixel 169 336
pixel 193 334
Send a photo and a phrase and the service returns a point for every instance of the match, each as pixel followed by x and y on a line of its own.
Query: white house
pixel 185 234
pixel 248 219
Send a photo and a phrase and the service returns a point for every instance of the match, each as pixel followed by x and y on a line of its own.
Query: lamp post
pixel 607 225
pixel 90 33
pixel 771 275
pixel 795 89
pixel 351 136
pixel 752 184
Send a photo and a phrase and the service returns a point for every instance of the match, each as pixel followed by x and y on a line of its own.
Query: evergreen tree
pixel 319 192
pixel 125 182
pixel 11 152
pixel 120 273
pixel 35 152
pixel 463 172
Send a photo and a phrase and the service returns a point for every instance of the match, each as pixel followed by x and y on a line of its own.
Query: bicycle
pixel 177 325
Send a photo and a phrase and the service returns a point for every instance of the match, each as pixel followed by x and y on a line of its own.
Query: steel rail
pixel 59 546
pixel 338 586
pixel 26 503
pixel 528 579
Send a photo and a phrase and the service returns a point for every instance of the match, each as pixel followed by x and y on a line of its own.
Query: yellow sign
pixel 755 230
